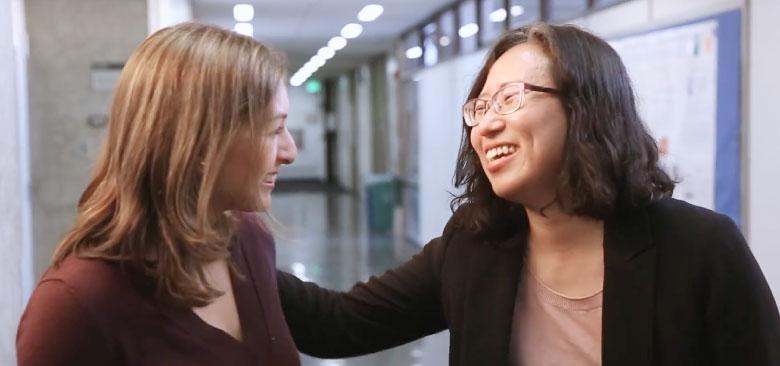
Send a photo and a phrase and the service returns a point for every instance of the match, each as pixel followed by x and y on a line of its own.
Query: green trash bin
pixel 381 198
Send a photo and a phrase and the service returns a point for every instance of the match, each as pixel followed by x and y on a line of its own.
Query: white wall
pixel 15 233
pixel 345 141
pixel 394 165
pixel 163 13
pixel 442 89
pixel 363 125
pixel 638 15
pixel 63 145
pixel 306 116
pixel 763 134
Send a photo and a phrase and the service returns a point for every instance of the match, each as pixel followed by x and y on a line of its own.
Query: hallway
pixel 325 239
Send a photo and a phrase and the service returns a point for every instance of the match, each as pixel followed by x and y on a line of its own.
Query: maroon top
pixel 91 312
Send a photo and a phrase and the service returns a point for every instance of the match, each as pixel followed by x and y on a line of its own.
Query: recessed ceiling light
pixel 369 13
pixel 326 52
pixel 444 41
pixel 414 52
pixel 498 15
pixel 468 30
pixel 351 30
pixel 243 12
pixel 317 61
pixel 337 43
pixel 244 28
pixel 516 10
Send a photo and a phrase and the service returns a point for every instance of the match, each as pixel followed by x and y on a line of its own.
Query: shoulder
pixel 91 281
pixel 671 218
pixel 60 317
pixel 699 240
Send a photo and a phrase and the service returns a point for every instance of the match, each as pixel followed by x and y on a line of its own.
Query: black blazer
pixel 680 288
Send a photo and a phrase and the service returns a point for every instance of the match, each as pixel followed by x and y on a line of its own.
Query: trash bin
pixel 381 198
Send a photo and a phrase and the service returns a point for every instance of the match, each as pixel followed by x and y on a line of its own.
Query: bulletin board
pixel 687 79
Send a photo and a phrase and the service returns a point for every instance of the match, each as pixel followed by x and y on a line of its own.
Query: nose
pixel 287 149
pixel 490 123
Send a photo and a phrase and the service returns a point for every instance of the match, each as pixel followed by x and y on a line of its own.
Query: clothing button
pixel 273 339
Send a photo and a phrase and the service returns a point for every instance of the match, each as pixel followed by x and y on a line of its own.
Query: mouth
pixel 498 156
pixel 499 152
pixel 270 179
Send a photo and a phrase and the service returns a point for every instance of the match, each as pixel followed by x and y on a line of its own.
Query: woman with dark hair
pixel 565 247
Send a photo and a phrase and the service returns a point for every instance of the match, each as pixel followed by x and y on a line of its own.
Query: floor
pixel 325 239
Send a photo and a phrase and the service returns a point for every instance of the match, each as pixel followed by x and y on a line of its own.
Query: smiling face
pixel 248 175
pixel 522 152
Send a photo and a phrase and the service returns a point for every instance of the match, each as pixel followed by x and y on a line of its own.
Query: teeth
pixel 500 151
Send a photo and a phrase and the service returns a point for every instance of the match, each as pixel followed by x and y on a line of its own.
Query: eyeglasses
pixel 506 100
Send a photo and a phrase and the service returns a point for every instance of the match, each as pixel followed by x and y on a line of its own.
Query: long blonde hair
pixel 182 98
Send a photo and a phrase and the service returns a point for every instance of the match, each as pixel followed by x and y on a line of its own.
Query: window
pixel 493 19
pixel 448 36
pixel 412 51
pixel 430 46
pixel 565 10
pixel 600 4
pixel 523 12
pixel 469 26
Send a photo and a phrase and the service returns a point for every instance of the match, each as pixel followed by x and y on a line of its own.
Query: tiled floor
pixel 325 240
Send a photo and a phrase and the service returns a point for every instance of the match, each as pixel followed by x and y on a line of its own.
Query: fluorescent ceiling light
pixel 351 30
pixel 317 61
pixel 468 30
pixel 308 69
pixel 498 15
pixel 516 10
pixel 296 81
pixel 326 52
pixel 337 43
pixel 244 28
pixel 414 52
pixel 243 12
pixel 370 13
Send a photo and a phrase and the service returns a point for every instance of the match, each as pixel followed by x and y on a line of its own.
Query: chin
pixel 508 189
pixel 264 203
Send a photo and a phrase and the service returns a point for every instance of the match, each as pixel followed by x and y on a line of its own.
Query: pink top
pixel 549 328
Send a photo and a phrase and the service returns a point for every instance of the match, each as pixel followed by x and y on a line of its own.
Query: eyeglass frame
pixel 492 102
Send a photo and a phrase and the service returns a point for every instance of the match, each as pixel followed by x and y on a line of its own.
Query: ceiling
pixel 301 27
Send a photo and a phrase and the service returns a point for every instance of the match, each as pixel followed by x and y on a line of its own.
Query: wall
pixel 345 141
pixel 63 146
pixel 163 13
pixel 305 121
pixel 763 133
pixel 363 126
pixel 441 91
pixel 637 15
pixel 15 273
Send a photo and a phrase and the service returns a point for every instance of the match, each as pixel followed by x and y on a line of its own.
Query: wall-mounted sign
pixel 105 75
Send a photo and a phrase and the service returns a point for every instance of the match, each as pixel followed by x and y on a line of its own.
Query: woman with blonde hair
pixel 168 262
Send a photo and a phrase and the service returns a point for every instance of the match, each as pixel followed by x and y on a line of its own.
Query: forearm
pixel 369 318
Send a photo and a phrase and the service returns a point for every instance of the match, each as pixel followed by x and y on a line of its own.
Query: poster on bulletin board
pixel 687 82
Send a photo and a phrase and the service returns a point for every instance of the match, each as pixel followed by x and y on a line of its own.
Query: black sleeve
pixel 742 316
pixel 56 330
pixel 397 307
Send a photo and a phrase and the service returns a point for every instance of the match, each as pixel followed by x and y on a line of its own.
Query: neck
pixel 566 251
pixel 555 230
